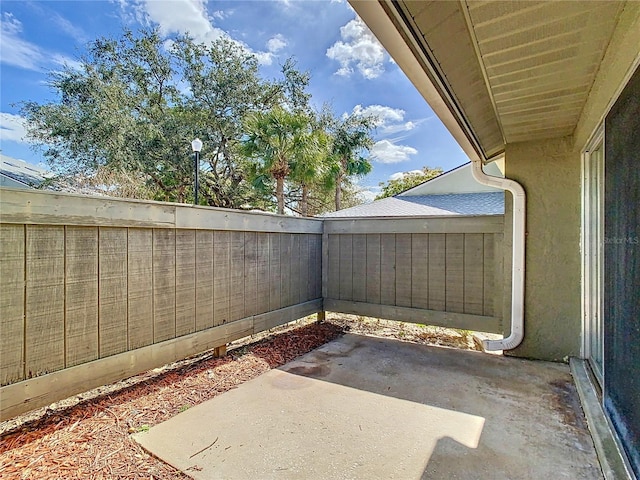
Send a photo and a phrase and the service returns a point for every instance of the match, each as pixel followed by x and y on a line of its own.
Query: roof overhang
pixel 497 72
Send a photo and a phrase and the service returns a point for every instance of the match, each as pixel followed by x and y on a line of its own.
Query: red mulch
pixel 92 439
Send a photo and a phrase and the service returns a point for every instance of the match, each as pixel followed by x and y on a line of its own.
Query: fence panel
pixel 94 290
pixel 445 271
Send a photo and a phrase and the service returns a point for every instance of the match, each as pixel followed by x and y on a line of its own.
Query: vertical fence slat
pixel 44 342
pixel 250 274
pixel 275 280
pixel 12 303
pixel 312 267
pixel 204 279
pixel 263 273
pixel 140 287
pixel 388 269
pixel 317 274
pixel 403 270
pixel 333 287
pixel 359 252
pixel 294 285
pixel 304 268
pixel 185 282
pixel 315 266
pixel 437 271
pixel 285 269
pixel 455 272
pixel 112 325
pixel 494 275
pixel 473 273
pixel 236 289
pixel 420 270
pixel 373 268
pixel 221 276
pixel 81 294
pixel 346 267
pixel 164 284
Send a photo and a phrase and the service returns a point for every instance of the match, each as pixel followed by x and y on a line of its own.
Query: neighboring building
pixel 16 173
pixel 451 193
pixel 554 89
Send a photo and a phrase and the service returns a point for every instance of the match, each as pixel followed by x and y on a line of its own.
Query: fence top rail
pixel 422 224
pixel 54 208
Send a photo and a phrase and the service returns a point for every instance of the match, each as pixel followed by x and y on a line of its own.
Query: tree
pixel 116 113
pixel 351 137
pixel 135 105
pixel 406 181
pixel 225 87
pixel 311 167
pixel 279 141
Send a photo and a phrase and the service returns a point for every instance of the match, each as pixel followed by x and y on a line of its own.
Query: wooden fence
pixel 435 271
pixel 94 290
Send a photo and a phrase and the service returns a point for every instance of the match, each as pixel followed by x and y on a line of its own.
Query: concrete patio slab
pixel 363 408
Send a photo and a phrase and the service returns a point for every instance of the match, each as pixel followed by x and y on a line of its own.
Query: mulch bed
pixel 91 439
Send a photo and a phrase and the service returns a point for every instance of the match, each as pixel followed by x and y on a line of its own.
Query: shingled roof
pixel 484 203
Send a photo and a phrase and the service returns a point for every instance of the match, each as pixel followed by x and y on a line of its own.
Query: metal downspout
pixel 518 265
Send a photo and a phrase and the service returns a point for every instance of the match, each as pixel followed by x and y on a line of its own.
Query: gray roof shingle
pixel 485 203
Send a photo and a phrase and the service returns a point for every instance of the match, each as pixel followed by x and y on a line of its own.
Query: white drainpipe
pixel 517 284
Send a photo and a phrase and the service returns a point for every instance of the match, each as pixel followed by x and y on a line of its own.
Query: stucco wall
pixel 550 174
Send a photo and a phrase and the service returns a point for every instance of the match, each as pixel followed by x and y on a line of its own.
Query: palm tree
pixel 274 140
pixel 310 167
pixel 351 136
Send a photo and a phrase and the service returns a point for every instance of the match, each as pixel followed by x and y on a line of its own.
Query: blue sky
pixel 348 66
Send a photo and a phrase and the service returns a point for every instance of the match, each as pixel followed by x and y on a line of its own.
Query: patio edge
pixel 612 459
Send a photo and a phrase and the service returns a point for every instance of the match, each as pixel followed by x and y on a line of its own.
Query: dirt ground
pixel 88 435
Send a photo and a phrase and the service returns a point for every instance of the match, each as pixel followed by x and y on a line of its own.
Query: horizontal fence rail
pixel 78 300
pixel 436 271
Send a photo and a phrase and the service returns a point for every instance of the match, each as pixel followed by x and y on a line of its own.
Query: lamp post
pixel 196 145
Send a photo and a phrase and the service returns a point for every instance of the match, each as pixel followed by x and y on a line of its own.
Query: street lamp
pixel 196 145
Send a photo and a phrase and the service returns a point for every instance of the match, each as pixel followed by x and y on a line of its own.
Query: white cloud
pixel 385 151
pixel 358 48
pixel 383 115
pixel 367 195
pixel 65 61
pixel 70 29
pixel 388 120
pixel 400 127
pixel 15 50
pixel 12 128
pixel 24 54
pixel 185 16
pixel 220 14
pixel 367 192
pixel 276 43
pixel 182 16
pixel 399 175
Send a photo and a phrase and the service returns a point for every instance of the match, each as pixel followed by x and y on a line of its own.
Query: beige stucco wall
pixel 550 174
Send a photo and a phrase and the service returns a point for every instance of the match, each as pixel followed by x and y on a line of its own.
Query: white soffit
pixel 442 32
pixel 540 60
pixel 512 71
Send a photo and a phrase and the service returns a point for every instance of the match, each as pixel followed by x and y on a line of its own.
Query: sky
pixel 348 66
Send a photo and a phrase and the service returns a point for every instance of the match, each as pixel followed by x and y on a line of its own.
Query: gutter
pixel 518 262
